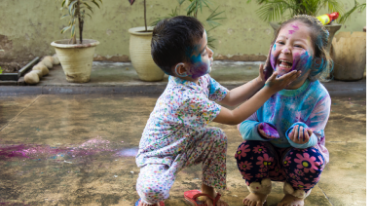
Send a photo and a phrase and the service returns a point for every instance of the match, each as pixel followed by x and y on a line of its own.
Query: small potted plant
pixel 140 51
pixel 76 55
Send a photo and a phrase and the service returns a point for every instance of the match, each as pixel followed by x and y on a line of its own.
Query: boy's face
pixel 201 58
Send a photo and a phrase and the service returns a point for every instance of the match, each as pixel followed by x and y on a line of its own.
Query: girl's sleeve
pixel 318 119
pixel 248 129
pixel 216 91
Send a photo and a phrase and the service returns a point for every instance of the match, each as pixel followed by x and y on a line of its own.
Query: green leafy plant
pixel 357 6
pixel 1 71
pixel 145 12
pixel 272 10
pixel 76 11
pixel 193 9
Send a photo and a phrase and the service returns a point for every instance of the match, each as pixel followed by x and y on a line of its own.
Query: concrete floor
pixel 79 150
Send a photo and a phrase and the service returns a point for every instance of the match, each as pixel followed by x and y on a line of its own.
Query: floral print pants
pixel 155 180
pixel 301 168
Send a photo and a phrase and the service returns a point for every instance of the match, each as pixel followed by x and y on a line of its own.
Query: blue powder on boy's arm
pixel 216 91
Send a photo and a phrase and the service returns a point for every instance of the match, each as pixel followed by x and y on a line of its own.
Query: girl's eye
pixel 298 46
pixel 280 42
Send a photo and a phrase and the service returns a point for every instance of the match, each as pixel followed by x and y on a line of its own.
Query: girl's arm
pixel 249 129
pixel 244 92
pixel 242 112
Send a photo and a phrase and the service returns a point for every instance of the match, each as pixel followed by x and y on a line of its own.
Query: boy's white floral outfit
pixel 177 136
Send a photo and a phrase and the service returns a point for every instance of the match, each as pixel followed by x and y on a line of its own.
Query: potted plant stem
pixel 76 55
pixel 193 9
pixel 140 51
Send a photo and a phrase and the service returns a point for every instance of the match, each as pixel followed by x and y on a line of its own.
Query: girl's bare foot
pixel 290 200
pixel 255 199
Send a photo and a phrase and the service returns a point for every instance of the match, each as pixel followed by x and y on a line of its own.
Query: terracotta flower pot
pixel 76 59
pixel 140 55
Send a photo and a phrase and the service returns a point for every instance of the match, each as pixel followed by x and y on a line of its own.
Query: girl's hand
pixel 300 135
pixel 267 131
pixel 276 84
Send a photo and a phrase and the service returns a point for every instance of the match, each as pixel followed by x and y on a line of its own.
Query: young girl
pixel 284 139
pixel 176 134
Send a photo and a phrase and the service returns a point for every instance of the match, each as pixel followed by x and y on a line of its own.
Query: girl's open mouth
pixel 285 64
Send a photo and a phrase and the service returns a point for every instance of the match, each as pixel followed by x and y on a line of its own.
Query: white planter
pixel 76 59
pixel 140 55
pixel 349 55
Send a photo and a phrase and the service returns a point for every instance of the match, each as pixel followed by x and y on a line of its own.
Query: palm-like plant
pixel 76 11
pixel 272 10
pixel 357 6
pixel 194 7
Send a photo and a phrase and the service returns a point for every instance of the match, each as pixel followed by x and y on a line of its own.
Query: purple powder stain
pixel 269 130
pixel 199 69
pixel 42 152
pixel 295 27
pixel 130 152
pixel 291 31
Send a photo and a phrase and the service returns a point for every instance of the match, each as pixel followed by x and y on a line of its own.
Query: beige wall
pixel 27 27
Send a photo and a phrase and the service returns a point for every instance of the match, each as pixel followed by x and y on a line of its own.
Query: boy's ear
pixel 180 70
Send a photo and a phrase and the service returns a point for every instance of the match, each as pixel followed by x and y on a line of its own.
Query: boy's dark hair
pixel 173 41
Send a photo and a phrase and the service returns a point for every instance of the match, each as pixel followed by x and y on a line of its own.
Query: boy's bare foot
pixel 290 200
pixel 145 204
pixel 255 199
pixel 210 191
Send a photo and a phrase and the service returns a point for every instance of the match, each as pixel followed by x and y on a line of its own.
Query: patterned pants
pixel 301 168
pixel 155 180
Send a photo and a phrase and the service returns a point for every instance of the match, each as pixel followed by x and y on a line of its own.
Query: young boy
pixel 176 135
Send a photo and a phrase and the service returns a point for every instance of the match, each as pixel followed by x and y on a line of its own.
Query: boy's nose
pixel 210 52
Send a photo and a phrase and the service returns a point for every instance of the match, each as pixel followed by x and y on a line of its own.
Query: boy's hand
pixel 267 131
pixel 276 84
pixel 300 135
pixel 261 77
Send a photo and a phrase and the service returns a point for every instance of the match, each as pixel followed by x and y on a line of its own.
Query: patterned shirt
pixel 307 106
pixel 178 119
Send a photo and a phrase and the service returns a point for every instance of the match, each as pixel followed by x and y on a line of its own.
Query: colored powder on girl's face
pixel 301 62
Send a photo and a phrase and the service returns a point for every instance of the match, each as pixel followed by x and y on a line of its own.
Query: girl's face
pixel 201 59
pixel 293 49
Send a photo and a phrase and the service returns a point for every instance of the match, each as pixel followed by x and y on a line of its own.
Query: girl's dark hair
pixel 173 41
pixel 319 36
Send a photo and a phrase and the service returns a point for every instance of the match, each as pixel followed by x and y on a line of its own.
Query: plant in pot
pixel 140 39
pixel 76 55
pixel 140 51
pixel 192 9
pixel 272 10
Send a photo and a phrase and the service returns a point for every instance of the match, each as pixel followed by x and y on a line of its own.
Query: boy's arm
pixel 244 92
pixel 242 112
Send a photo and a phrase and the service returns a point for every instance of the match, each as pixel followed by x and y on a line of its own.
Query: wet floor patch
pixel 79 150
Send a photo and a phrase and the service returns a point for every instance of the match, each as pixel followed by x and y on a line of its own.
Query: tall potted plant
pixel 76 55
pixel 193 8
pixel 272 10
pixel 140 51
